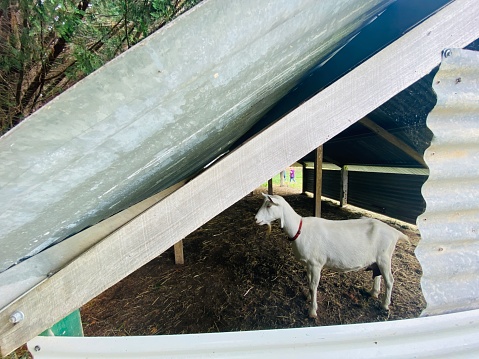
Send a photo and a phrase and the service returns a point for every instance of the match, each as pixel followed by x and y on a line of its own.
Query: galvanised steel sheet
pixel 445 336
pixel 159 112
pixel 449 249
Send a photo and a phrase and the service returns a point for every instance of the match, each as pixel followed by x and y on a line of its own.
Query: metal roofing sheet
pixel 449 250
pixel 404 115
pixel 446 336
pixel 159 112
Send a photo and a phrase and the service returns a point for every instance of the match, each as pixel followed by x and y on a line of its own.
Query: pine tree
pixel 48 45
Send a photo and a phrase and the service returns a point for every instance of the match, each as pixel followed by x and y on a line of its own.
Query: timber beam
pixel 381 132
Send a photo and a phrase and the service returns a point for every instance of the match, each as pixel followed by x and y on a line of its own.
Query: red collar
pixel 298 232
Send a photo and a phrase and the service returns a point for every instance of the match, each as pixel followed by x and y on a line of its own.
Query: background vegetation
pixel 48 45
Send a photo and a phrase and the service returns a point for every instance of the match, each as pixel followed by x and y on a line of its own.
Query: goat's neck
pixel 291 220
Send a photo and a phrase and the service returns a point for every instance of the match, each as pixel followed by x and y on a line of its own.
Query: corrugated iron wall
pixel 449 249
pixel 331 182
pixel 396 194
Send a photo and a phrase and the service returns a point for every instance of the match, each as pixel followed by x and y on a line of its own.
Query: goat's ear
pixel 272 200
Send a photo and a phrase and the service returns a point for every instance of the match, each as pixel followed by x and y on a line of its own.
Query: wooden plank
pixel 318 180
pixel 27 274
pixel 346 101
pixel 179 257
pixel 365 121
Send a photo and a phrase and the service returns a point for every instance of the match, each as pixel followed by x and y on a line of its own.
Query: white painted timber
pixel 347 100
pixel 446 336
pixel 21 278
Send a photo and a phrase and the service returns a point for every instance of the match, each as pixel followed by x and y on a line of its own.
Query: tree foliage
pixel 48 45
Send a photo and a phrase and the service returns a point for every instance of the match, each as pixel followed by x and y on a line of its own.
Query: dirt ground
pixel 236 279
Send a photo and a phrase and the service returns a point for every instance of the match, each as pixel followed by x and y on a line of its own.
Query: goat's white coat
pixel 342 246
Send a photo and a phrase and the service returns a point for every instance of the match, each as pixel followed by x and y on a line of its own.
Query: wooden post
pixel 318 180
pixel 270 186
pixel 179 258
pixel 343 195
pixel 282 174
pixel 303 186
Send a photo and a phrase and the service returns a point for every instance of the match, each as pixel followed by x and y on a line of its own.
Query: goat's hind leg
pixel 374 292
pixel 376 280
pixel 389 282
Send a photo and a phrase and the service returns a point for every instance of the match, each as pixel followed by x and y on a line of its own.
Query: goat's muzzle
pixel 268 231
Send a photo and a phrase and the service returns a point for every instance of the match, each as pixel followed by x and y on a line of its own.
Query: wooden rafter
pixel 365 121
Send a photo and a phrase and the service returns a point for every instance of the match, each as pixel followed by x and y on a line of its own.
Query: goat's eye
pixel 268 205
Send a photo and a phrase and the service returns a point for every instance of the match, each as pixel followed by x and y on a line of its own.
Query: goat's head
pixel 270 211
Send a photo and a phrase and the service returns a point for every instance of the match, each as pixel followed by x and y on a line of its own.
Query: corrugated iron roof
pixel 159 113
pixel 449 250
pixel 404 115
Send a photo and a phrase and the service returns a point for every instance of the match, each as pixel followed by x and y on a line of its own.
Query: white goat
pixel 342 246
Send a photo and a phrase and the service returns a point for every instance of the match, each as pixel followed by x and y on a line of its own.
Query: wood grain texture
pixel 179 255
pixel 346 101
pixel 27 274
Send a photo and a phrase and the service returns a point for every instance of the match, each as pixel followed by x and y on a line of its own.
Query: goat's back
pixel 348 244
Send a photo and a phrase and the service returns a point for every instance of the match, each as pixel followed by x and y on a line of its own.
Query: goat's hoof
pixel 374 295
pixel 313 315
pixel 385 307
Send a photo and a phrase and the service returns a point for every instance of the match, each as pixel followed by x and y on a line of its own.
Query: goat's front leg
pixel 308 273
pixel 314 274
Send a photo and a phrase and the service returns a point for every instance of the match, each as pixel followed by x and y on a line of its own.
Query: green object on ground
pixel 70 326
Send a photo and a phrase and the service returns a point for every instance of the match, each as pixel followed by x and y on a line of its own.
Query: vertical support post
pixel 318 180
pixel 343 195
pixel 282 175
pixel 179 258
pixel 270 186
pixel 303 182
